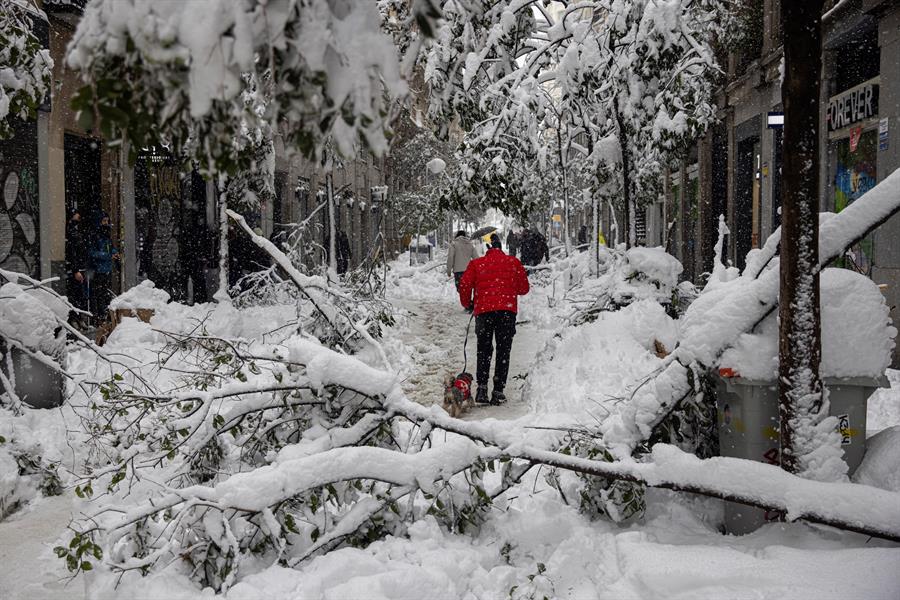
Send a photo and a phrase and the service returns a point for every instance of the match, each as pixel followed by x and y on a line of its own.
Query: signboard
pixel 775 120
pixel 883 126
pixel 854 105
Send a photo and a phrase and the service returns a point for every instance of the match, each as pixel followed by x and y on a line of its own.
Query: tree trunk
pixel 801 401
pixel 221 294
pixel 626 176
pixel 595 235
pixel 332 228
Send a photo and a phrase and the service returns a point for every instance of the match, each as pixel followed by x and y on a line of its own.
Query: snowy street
pixel 413 299
pixel 674 552
pixel 434 329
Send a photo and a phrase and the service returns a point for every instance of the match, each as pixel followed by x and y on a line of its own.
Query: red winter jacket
pixel 496 280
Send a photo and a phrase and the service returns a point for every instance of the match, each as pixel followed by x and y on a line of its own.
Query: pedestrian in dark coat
pixel 512 243
pixel 343 252
pixel 534 248
pixel 77 262
pixel 493 283
pixel 103 254
pixel 583 237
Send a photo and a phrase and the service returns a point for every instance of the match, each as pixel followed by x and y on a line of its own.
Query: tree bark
pixel 595 234
pixel 626 176
pixel 801 402
pixel 221 294
pixel 332 228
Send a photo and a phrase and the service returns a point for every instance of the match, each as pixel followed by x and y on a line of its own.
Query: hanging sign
pixel 855 134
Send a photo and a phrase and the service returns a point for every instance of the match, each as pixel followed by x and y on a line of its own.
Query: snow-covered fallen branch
pixel 716 318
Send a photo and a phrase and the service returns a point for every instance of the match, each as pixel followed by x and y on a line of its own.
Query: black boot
pixel 481 396
pixel 498 397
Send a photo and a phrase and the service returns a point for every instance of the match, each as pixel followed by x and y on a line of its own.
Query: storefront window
pixel 854 176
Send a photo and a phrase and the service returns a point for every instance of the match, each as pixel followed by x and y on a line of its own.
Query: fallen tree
pixel 318 449
pixel 716 318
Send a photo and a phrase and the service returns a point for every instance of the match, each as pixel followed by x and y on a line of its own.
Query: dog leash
pixel 466 342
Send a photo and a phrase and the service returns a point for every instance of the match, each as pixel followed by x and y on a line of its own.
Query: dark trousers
pixel 499 325
pixel 456 277
pixel 101 294
pixel 76 291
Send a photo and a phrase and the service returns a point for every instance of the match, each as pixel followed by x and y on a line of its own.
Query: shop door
pixel 82 176
pixel 743 201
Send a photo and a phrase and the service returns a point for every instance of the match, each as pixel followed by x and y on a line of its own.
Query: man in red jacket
pixel 495 280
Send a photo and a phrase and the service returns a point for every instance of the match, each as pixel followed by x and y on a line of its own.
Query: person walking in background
pixel 512 242
pixel 77 259
pixel 103 253
pixel 343 252
pixel 460 254
pixel 582 237
pixel 493 284
pixel 534 248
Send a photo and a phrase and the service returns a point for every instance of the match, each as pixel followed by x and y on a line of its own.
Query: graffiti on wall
pixel 19 212
pixel 854 176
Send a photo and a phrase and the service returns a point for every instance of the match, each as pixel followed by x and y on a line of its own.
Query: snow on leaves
pixel 175 72
pixel 25 66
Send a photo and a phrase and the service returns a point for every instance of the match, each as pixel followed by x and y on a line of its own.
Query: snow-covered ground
pixel 432 336
pixel 537 544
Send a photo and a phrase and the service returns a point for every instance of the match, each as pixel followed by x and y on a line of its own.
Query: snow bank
pixel 29 318
pixel 881 464
pixel 593 366
pixel 655 263
pixel 857 335
pixel 143 295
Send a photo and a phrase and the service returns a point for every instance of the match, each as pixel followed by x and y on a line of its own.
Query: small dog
pixel 458 394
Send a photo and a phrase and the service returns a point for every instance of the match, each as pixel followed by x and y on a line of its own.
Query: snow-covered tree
pixel 639 70
pixel 176 72
pixel 25 65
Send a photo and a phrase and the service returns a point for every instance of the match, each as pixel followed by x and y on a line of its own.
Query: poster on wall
pixel 854 176
pixel 19 206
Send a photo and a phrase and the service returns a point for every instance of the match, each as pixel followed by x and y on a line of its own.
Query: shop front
pixel 852 121
pixel 176 245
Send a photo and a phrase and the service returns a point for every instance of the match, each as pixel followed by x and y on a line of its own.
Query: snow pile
pixel 29 319
pixel 143 295
pixel 884 405
pixel 655 264
pixel 422 242
pixel 881 465
pixel 857 335
pixel 593 366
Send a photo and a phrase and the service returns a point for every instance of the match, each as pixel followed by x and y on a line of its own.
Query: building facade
pixel 735 170
pixel 165 221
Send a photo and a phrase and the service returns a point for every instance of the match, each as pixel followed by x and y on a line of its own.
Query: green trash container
pixel 748 428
